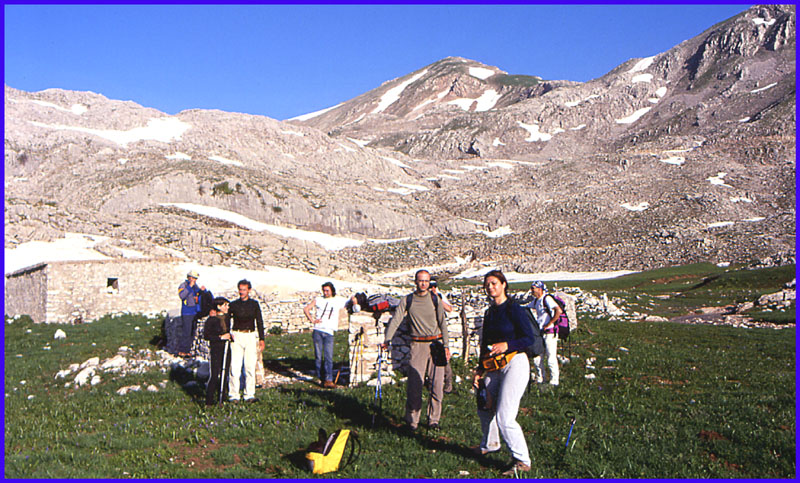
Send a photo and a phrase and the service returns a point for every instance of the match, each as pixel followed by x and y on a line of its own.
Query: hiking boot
pixel 478 451
pixel 328 385
pixel 251 400
pixel 516 468
pixel 434 427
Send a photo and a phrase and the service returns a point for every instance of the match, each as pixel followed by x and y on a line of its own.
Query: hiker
pixel 543 306
pixel 503 372
pixel 448 370
pixel 429 347
pixel 216 332
pixel 326 320
pixel 244 318
pixel 190 294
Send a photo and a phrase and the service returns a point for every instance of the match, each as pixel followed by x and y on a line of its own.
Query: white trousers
pixel 550 353
pixel 506 386
pixel 244 351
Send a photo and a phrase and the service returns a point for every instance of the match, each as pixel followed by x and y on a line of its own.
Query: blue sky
pixel 284 61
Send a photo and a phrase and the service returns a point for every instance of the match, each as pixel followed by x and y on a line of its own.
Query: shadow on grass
pixel 364 417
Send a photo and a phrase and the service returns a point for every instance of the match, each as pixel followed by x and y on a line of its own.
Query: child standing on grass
pixel 218 334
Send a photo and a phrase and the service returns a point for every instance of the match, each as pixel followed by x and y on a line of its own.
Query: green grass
pixel 674 291
pixel 683 401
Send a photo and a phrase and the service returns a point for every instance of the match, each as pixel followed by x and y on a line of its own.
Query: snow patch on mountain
pixel 305 117
pixel 634 117
pixel 763 21
pixel 638 207
pixel 718 180
pixel 764 88
pixel 73 247
pixel 486 101
pixel 533 132
pixel 329 242
pixel 358 142
pixel 396 162
pixel 642 78
pixel 222 160
pixel 179 155
pixel 76 109
pixel 392 95
pixel 165 129
pixel 481 72
pixel 643 64
pixel 676 160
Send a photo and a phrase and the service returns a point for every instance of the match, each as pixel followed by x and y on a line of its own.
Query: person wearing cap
pixel 326 310
pixel 543 306
pixel 189 293
pixel 428 330
pixel 247 330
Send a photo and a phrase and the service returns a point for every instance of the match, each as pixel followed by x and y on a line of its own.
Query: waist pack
pixel 497 362
pixel 325 454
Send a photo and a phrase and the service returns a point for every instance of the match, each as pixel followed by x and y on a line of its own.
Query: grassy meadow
pixel 667 401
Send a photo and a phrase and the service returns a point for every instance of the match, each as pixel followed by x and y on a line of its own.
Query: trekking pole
pixel 222 373
pixel 379 387
pixel 571 416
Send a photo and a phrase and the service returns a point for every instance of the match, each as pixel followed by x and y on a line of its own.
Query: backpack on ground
pixel 325 454
pixel 562 324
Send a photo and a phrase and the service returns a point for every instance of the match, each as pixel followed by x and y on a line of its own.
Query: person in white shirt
pixel 326 320
pixel 543 306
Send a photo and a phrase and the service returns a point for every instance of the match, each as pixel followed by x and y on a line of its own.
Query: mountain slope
pixel 685 156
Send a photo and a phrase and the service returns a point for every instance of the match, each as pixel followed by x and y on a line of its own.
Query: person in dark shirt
pixel 218 335
pixel 505 371
pixel 245 319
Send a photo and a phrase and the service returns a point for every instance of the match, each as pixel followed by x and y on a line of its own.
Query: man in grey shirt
pixel 428 327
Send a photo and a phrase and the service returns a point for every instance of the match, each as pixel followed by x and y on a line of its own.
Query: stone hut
pixel 74 291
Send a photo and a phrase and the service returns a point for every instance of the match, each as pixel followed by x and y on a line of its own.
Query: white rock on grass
pixel 85 375
pixel 125 390
pixel 117 361
pixel 60 334
pixel 624 349
pixel 590 376
pixel 63 374
pixel 95 380
pixel 94 361
pixel 152 388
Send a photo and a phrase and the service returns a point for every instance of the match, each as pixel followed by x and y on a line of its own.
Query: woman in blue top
pixel 506 334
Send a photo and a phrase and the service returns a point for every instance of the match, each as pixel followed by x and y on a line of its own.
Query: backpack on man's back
pixel 568 313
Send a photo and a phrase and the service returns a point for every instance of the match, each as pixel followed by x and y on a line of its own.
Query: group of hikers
pixel 235 331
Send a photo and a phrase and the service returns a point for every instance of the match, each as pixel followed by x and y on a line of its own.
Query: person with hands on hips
pixel 504 371
pixel 324 312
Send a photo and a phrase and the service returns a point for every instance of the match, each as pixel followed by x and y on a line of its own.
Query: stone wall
pixel 25 292
pixel 364 329
pixel 87 290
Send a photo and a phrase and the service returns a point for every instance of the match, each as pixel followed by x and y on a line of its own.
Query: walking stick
pixel 571 416
pixel 379 387
pixel 224 370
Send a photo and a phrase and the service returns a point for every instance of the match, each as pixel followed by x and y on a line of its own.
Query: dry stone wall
pixel 69 292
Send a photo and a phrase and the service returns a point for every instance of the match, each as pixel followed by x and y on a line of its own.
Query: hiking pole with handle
pixel 379 387
pixel 224 370
pixel 571 416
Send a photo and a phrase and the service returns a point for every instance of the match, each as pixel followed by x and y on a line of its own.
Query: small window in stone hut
pixel 112 285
